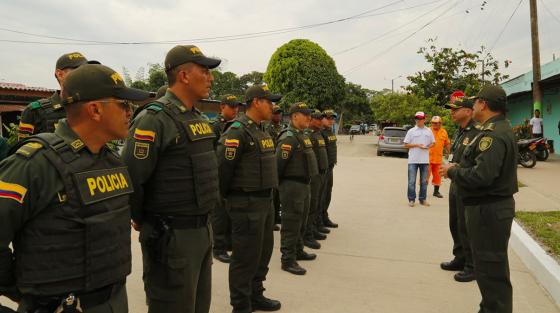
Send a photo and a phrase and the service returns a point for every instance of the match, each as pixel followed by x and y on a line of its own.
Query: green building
pixel 520 100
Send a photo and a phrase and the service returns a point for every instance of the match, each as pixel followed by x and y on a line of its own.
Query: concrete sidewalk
pixel 541 191
pixel 384 258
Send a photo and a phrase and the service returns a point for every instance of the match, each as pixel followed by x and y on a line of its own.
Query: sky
pixel 371 42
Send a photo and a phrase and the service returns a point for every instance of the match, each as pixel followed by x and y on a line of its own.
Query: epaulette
pixel 478 126
pixel 235 124
pixel 29 149
pixel 489 127
pixel 290 133
pixel 154 107
pixel 35 105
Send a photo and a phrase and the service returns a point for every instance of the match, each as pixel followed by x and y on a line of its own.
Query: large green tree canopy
pixel 301 70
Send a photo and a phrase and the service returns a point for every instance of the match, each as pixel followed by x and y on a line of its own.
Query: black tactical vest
pixel 81 241
pixel 320 149
pixel 49 114
pixel 185 180
pixel 330 140
pixel 257 168
pixel 303 163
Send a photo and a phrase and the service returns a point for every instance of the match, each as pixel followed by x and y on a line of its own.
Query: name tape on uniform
pixel 103 184
pixel 197 130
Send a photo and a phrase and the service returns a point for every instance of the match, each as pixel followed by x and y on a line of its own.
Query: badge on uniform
pixel 466 141
pixel 485 143
pixel 285 154
pixel 141 150
pixel 230 153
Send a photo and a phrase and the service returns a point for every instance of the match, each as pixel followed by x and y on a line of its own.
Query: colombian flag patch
pixel 145 135
pixel 12 191
pixel 231 143
pixel 26 128
pixel 286 147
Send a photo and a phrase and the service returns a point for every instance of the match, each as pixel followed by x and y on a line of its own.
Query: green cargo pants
pixel 326 195
pixel 252 221
pixel 458 228
pixel 221 226
pixel 295 199
pixel 316 186
pixel 489 227
pixel 183 284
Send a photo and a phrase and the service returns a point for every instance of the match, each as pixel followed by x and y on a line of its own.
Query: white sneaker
pixel 410 203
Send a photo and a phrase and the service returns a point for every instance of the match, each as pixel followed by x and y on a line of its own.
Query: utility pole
pixel 393 83
pixel 537 94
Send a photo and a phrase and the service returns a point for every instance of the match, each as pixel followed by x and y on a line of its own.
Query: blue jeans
pixel 412 170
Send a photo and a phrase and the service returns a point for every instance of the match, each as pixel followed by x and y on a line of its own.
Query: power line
pixel 384 34
pixel 550 11
pixel 505 26
pixel 76 41
pixel 353 69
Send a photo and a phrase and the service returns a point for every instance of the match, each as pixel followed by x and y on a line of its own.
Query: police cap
pixel 188 54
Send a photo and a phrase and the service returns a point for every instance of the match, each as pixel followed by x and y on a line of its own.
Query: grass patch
pixel 545 226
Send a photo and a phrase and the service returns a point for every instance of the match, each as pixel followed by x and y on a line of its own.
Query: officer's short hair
pixel 172 73
pixel 495 106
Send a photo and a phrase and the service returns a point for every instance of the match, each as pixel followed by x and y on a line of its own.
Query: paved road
pixel 384 258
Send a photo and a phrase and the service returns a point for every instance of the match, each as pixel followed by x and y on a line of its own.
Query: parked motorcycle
pixel 542 151
pixel 526 155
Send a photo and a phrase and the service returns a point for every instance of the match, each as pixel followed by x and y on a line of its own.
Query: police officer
pixel 43 115
pixel 461 114
pixel 274 128
pixel 171 158
pixel 487 179
pixel 161 91
pixel 248 173
pixel 64 204
pixel 221 224
pixel 330 140
pixel 317 181
pixel 296 166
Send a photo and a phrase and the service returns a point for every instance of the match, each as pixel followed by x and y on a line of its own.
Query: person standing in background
pixel 441 146
pixel 537 128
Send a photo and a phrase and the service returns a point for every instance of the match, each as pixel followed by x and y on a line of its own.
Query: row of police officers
pixel 67 199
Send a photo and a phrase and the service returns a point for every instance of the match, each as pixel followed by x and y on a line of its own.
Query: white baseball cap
pixel 420 115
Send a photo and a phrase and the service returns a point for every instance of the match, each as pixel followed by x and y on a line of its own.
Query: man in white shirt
pixel 418 141
pixel 537 129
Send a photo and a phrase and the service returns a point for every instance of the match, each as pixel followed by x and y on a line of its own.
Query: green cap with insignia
pixel 461 102
pixel 161 91
pixel 230 100
pixel 300 107
pixel 72 60
pixel 188 54
pixel 276 109
pixel 260 92
pixel 95 81
pixel 494 94
pixel 330 113
pixel 317 114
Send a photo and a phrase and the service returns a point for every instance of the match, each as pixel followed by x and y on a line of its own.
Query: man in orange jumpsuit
pixel 436 154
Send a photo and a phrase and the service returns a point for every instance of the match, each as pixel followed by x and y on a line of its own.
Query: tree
pixel 301 70
pixel 156 77
pixel 453 70
pixel 226 83
pixel 250 79
pixel 355 107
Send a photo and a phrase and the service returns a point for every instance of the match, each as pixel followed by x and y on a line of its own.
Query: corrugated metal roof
pixel 522 83
pixel 22 87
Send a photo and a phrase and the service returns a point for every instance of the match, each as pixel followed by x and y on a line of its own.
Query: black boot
pixel 330 224
pixel 436 192
pixel 453 265
pixel 294 268
pixel 465 276
pixel 222 256
pixel 319 236
pixel 262 303
pixel 304 256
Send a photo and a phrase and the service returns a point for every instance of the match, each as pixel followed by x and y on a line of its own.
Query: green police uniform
pixel 457 223
pixel 330 140
pixel 296 166
pixel 66 212
pixel 248 173
pixel 171 159
pixel 317 183
pixel 4 148
pixel 274 130
pixel 486 180
pixel 43 115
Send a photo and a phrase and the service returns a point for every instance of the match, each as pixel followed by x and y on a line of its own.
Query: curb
pixel 545 269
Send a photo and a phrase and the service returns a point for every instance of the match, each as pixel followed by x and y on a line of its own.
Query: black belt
pixel 178 222
pixel 266 193
pixel 303 180
pixel 88 300
pixel 484 200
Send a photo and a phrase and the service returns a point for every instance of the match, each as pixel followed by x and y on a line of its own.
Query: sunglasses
pixel 126 105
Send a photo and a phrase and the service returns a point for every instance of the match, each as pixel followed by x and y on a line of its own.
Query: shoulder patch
pixel 29 149
pixel 490 127
pixel 485 143
pixel 35 105
pixel 154 107
pixel 12 191
pixel 144 135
